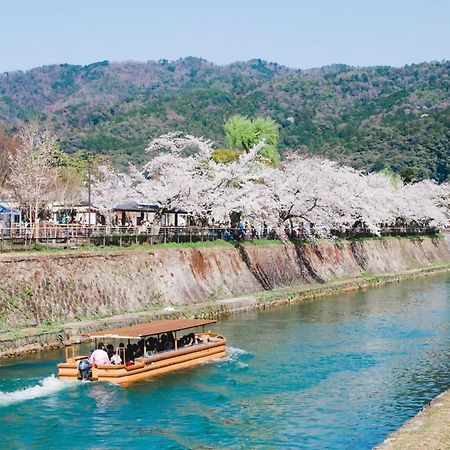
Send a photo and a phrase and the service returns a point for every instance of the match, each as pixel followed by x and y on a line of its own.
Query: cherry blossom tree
pixel 186 176
pixel 110 188
pixel 33 177
pixel 425 203
pixel 319 194
pixel 329 196
pixel 8 146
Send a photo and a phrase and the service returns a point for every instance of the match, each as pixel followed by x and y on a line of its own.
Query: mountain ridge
pixel 369 117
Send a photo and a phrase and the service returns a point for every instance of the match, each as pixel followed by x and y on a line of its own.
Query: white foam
pixel 241 365
pixel 233 353
pixel 233 356
pixel 48 386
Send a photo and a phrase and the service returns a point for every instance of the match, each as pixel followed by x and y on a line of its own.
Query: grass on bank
pixel 48 249
pixel 412 237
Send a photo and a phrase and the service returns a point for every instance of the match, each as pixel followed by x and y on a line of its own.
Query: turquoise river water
pixel 336 373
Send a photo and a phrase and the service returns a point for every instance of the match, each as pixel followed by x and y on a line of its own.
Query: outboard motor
pixel 85 369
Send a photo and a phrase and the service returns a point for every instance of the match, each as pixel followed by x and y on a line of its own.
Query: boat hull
pixel 145 368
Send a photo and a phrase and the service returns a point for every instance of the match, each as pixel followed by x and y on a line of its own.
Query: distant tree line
pixel 370 118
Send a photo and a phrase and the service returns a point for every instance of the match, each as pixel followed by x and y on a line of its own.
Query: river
pixel 337 373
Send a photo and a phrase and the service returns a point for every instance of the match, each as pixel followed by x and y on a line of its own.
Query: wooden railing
pixel 101 235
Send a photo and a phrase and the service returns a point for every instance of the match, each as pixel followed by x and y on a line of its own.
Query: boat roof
pixel 141 330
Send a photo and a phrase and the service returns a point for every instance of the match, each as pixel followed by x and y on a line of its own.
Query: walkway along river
pixel 338 372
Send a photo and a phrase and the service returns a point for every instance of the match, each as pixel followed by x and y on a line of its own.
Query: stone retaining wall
pixel 47 289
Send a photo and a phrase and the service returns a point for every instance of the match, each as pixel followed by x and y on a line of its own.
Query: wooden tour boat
pixel 206 346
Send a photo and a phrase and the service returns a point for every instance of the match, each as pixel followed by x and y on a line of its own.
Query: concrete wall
pixel 57 288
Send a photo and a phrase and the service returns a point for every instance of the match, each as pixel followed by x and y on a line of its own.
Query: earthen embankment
pixel 39 291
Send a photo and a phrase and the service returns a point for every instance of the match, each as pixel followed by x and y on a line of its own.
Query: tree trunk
pixel 36 221
pixel 156 223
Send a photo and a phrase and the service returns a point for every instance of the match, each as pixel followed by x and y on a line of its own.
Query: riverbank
pixel 427 430
pixel 44 289
pixel 45 337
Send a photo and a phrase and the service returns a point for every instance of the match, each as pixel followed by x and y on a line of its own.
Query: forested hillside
pixel 371 117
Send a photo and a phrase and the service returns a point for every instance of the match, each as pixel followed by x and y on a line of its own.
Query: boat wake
pixel 234 356
pixel 48 386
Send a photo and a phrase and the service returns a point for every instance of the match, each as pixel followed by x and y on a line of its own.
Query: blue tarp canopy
pixel 6 210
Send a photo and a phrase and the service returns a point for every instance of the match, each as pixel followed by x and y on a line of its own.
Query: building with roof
pixel 78 213
pixel 135 214
pixel 10 216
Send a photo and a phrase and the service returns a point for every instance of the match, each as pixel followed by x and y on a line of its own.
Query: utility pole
pixel 89 192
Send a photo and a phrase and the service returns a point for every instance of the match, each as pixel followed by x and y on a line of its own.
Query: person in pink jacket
pixel 99 356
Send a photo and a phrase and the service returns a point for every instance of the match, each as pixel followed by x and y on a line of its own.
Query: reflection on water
pixel 340 372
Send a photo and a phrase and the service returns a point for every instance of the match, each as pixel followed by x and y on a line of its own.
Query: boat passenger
pixel 161 347
pixel 190 339
pixel 166 342
pixel 129 351
pixel 151 349
pixel 116 359
pixel 151 343
pixel 99 356
pixel 180 342
pixel 170 341
pixel 110 350
pixel 137 351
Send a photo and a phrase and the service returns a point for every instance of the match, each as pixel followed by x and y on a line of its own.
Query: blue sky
pixel 297 33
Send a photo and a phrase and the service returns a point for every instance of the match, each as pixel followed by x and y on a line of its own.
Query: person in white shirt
pixel 116 359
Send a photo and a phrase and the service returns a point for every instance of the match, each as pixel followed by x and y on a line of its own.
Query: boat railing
pixel 213 336
pixel 179 351
pixel 70 354
pixel 122 354
pixel 71 357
